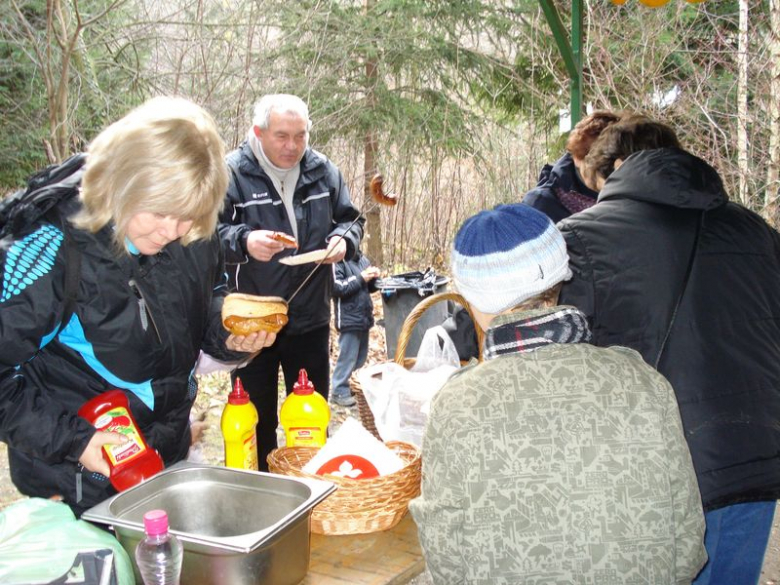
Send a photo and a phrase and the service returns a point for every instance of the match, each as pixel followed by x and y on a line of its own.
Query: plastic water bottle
pixel 159 554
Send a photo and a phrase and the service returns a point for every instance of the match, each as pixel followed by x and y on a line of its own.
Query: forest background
pixel 457 103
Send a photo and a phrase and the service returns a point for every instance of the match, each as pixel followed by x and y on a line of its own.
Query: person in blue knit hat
pixel 553 460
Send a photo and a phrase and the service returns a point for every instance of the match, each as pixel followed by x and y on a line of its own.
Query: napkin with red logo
pixel 355 453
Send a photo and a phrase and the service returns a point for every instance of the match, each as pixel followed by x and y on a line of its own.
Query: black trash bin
pixel 400 295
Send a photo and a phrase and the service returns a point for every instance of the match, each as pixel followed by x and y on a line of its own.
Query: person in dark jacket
pixel 353 282
pixel 279 184
pixel 667 265
pixel 149 299
pixel 561 191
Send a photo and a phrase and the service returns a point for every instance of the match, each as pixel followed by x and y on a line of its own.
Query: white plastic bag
pixel 399 398
pixel 436 349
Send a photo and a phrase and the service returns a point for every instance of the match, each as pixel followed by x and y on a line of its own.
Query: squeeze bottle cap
pixel 156 522
pixel 303 386
pixel 238 395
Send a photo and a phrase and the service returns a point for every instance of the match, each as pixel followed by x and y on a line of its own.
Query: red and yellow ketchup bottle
pixel 133 461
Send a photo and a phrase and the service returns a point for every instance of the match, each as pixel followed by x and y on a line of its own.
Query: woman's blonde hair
pixel 164 157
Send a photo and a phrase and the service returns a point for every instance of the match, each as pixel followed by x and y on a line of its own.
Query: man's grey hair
pixel 280 103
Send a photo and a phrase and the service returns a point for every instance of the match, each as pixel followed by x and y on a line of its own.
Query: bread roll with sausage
pixel 243 314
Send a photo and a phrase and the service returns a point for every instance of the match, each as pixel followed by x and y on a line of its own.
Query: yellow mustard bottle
pixel 305 415
pixel 239 424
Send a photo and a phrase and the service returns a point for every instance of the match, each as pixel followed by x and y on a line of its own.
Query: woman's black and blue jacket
pixel 138 325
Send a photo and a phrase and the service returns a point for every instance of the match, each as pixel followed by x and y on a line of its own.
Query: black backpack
pixel 21 212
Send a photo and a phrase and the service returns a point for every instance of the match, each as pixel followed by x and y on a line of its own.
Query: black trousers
pixel 260 379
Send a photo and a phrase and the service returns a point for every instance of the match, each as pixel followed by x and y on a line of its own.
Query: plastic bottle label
pixel 305 436
pixel 117 420
pixel 250 452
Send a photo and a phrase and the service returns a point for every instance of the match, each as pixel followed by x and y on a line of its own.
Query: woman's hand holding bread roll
pixel 253 321
pixel 252 343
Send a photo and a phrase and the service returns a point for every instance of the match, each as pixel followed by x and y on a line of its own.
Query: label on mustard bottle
pixel 250 452
pixel 305 436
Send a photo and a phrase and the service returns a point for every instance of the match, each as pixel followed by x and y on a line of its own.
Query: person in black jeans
pixel 279 184
pixel 353 283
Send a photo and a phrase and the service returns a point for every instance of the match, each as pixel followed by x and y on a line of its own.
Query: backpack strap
pixel 72 275
pixel 72 265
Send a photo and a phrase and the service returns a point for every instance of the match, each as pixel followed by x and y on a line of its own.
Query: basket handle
pixel 416 313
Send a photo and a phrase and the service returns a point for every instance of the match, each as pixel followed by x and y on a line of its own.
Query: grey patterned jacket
pixel 562 465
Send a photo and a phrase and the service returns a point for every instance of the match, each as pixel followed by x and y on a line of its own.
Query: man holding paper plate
pixel 287 209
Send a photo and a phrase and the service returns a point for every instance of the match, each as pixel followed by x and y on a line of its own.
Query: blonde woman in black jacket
pixel 150 290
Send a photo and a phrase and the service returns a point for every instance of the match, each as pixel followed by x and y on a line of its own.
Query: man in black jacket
pixel 279 184
pixel 666 265
pixel 354 281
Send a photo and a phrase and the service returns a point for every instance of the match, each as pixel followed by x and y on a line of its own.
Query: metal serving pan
pixel 238 527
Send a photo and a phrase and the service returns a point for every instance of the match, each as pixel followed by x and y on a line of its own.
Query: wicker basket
pixel 366 416
pixel 358 506
pixel 364 411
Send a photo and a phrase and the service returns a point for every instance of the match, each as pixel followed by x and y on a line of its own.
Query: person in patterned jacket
pixel 553 461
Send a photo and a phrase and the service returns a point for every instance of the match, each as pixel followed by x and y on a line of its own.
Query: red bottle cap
pixel 303 386
pixel 238 395
pixel 156 522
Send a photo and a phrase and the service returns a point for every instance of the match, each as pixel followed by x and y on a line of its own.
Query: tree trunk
pixel 60 18
pixel 373 238
pixel 742 104
pixel 773 166
pixel 373 246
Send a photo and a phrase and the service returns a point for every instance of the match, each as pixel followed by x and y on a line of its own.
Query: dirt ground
pixel 209 449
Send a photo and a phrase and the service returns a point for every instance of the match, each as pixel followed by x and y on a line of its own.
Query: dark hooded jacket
pixel 354 310
pixel 560 191
pixel 323 209
pixel 49 369
pixel 630 254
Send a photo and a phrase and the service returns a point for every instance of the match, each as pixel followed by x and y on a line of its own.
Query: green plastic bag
pixel 41 542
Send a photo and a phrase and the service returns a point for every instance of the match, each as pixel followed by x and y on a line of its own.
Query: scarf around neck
pixel 522 331
pixel 573 201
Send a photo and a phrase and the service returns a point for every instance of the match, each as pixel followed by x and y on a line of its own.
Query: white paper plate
pixel 305 258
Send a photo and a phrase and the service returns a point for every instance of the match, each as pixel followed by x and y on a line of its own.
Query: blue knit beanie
pixel 507 255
